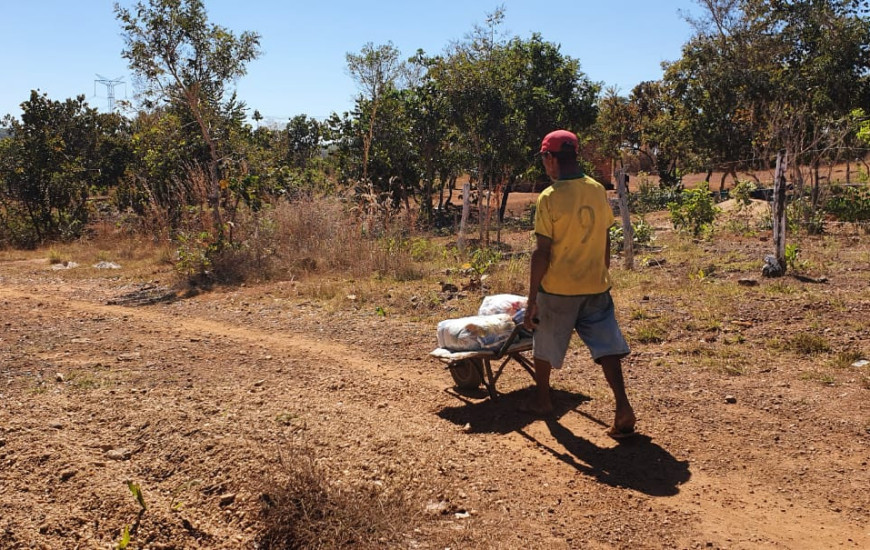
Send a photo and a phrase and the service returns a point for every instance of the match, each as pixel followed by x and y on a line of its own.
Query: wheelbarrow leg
pixel 490 379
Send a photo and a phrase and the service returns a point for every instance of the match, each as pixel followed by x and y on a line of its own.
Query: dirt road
pixel 195 401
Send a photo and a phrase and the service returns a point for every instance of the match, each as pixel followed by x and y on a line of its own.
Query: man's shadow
pixel 635 463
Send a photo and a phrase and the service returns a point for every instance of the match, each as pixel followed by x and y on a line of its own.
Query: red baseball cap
pixel 558 140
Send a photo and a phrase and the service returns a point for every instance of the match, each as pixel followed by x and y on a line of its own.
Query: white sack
pixel 482 332
pixel 502 303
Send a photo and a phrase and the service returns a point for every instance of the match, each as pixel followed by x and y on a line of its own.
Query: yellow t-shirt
pixel 576 215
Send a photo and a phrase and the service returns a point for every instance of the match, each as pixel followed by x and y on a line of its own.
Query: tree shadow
pixel 635 463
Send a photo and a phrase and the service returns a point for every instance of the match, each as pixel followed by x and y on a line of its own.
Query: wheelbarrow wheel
pixel 466 373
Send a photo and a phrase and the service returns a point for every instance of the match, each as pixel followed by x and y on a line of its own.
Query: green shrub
pixel 809 344
pixel 482 259
pixel 849 204
pixel 652 332
pixel 643 235
pixel 650 197
pixel 792 258
pixel 800 214
pixel 742 192
pixel 696 212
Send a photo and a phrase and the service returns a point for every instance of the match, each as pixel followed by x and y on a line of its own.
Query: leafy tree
pixel 476 78
pixel 862 122
pixel 56 156
pixel 480 108
pixel 709 86
pixel 304 140
pixel 430 134
pixel 764 75
pixel 615 129
pixel 344 141
pixel 548 90
pixel 503 96
pixel 661 132
pixel 183 60
pixel 160 160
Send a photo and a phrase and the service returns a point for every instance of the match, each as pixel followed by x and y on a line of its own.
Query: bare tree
pixel 375 69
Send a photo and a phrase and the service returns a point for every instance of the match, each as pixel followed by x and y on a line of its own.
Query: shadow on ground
pixel 502 415
pixel 636 463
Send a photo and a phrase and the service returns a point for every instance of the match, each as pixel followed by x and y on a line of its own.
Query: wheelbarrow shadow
pixel 502 415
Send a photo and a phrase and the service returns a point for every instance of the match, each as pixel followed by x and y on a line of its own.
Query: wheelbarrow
pixel 470 369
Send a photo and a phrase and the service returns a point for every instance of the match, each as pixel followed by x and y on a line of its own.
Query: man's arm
pixel 607 251
pixel 539 265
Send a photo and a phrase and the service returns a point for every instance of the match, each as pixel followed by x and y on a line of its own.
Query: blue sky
pixel 59 47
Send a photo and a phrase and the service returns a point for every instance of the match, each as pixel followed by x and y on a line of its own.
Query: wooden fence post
pixel 627 229
pixel 779 214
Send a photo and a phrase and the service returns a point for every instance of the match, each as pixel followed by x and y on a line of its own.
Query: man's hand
pixel 530 318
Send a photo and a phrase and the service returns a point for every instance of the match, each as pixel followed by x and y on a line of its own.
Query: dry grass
pixel 140 257
pixel 323 246
pixel 303 509
pixel 322 237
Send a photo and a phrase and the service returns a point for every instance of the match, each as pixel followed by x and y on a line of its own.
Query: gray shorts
pixel 591 316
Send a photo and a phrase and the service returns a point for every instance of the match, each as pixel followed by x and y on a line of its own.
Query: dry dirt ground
pixel 197 401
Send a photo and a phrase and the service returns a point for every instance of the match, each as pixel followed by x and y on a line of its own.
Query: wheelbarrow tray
pixel 471 368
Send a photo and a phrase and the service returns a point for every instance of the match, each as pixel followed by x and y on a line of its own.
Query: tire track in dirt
pixel 316 350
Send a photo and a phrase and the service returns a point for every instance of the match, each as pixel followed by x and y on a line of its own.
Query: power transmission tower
pixel 110 84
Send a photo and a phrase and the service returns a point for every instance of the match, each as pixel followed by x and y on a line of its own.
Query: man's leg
pixel 624 420
pixel 542 404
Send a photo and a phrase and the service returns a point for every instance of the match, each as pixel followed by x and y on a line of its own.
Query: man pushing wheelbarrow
pixel 569 286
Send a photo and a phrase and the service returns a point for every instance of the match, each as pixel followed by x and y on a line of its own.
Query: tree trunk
pixel 442 183
pixel 214 189
pixel 451 186
pixel 367 140
pixel 466 206
pixel 504 199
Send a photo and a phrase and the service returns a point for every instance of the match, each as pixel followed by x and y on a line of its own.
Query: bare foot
pixel 623 424
pixel 620 433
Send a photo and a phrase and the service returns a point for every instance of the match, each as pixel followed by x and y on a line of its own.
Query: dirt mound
pixel 755 211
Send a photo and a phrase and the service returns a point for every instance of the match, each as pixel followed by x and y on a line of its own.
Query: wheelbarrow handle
pixel 515 333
